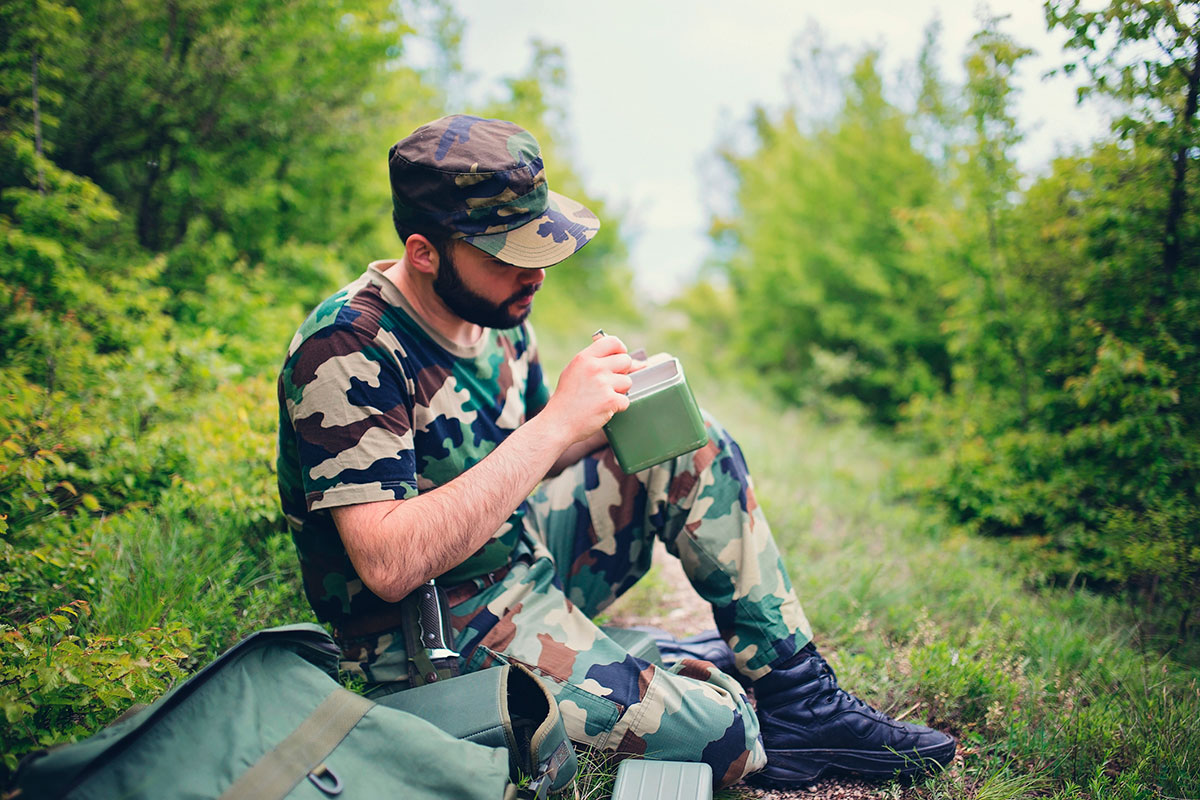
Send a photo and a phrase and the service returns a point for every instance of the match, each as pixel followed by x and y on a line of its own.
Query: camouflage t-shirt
pixel 375 406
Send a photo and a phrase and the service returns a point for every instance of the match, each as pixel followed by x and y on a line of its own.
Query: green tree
pixel 178 183
pixel 209 109
pixel 972 238
pixel 1159 92
pixel 827 294
pixel 1096 463
pixel 232 132
pixel 988 181
pixel 1138 389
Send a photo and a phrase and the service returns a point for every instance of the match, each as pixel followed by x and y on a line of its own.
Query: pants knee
pixel 697 713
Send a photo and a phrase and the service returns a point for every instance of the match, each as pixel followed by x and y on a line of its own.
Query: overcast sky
pixel 655 86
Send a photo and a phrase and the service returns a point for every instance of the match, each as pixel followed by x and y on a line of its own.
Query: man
pixel 418 441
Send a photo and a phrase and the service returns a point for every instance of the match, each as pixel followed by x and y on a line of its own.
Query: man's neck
pixel 424 301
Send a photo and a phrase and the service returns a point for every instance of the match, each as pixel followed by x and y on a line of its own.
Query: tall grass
pixel 130 598
pixel 1051 691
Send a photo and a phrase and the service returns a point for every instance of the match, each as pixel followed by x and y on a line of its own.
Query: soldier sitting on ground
pixel 418 440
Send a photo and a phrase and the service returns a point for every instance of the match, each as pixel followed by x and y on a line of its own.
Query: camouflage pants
pixel 589 539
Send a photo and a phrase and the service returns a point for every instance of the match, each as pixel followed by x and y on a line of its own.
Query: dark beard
pixel 468 305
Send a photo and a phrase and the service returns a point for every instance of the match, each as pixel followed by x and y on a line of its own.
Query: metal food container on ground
pixel 662 421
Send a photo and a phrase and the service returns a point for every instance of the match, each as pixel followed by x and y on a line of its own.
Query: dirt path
pixel 669 602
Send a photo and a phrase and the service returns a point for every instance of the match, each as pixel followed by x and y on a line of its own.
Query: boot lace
pixel 832 691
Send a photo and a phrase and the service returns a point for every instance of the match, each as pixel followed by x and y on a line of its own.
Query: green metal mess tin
pixel 662 421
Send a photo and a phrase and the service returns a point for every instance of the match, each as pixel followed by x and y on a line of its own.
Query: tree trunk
pixel 1172 246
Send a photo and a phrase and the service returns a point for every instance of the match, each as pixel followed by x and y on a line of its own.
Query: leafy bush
pixel 165 224
pixel 1042 342
pixel 1096 470
pixel 57 685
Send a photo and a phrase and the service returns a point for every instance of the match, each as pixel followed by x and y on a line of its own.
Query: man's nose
pixel 529 276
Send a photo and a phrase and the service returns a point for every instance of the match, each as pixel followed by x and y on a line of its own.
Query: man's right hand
pixel 591 389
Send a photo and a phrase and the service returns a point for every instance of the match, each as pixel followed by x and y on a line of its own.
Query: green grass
pixel 1049 689
pixel 131 597
pixel 1052 691
pixel 211 552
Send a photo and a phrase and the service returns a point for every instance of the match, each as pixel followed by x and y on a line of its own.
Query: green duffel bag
pixel 504 706
pixel 267 720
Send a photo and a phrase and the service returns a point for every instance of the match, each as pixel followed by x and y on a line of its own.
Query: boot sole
pixel 787 768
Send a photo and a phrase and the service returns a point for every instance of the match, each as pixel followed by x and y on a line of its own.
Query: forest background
pixel 987 387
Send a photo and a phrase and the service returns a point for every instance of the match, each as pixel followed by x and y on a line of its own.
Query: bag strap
pixel 301 753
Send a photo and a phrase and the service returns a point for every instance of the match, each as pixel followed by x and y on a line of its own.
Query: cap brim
pixel 554 236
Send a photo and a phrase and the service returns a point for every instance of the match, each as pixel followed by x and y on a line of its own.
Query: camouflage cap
pixel 482 181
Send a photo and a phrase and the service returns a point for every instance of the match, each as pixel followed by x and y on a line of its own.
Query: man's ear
pixel 420 254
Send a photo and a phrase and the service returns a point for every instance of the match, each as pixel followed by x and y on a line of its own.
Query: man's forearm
pixel 397 545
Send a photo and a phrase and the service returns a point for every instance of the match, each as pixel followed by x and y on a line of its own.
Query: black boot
pixel 811 727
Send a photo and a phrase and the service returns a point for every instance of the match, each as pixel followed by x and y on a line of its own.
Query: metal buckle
pixel 317 777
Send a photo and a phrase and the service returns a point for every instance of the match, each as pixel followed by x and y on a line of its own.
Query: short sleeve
pixel 350 407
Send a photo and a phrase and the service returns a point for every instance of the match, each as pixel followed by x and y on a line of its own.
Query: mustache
pixel 528 291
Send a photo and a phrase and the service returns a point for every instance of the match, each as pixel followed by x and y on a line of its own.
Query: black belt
pixel 467 589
